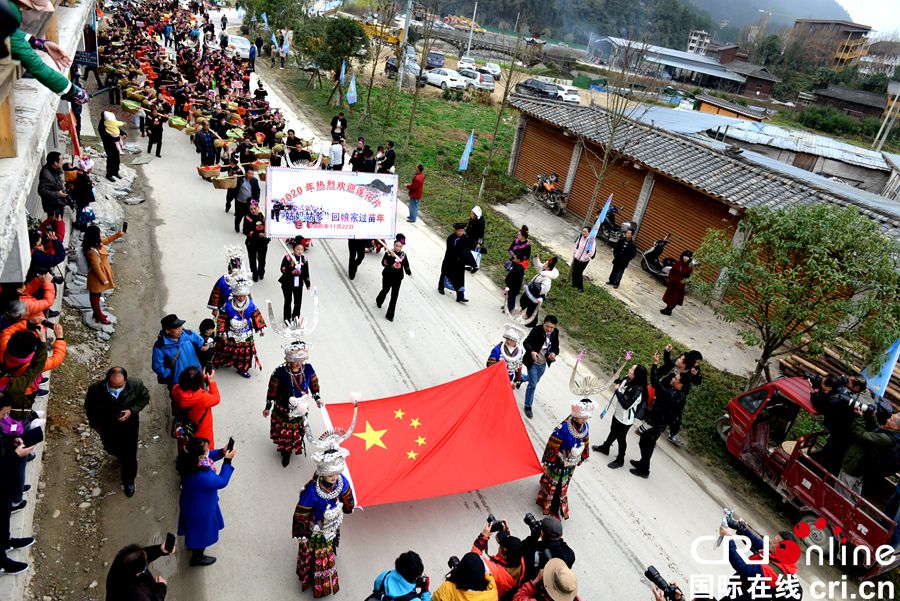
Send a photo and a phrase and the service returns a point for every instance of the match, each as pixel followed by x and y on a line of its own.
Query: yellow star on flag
pixel 372 437
pixel 415 423
pixel 399 414
pixel 411 454
pixel 420 440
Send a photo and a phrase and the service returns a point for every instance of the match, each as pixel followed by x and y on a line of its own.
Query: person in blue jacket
pixel 43 261
pixel 175 350
pixel 406 582
pixel 199 516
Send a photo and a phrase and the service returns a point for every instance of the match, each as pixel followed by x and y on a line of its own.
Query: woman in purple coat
pixel 199 516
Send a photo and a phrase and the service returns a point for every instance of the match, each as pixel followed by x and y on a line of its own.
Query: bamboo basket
pixel 209 172
pixel 218 143
pixel 177 123
pixel 225 183
pixel 190 130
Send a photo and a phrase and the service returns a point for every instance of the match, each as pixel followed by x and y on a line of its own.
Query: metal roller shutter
pixel 624 183
pixel 543 150
pixel 686 214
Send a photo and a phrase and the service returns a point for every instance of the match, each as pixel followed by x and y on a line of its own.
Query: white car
pixel 442 25
pixel 476 79
pixel 466 61
pixel 492 68
pixel 568 93
pixel 239 46
pixel 446 79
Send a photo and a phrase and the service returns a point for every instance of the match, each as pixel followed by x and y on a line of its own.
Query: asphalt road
pixel 619 523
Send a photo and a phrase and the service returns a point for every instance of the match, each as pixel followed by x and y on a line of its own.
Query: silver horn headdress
pixel 330 456
pixel 590 385
pixel 520 316
pixel 299 327
pixel 238 276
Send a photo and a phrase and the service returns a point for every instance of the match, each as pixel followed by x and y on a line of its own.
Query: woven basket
pixel 225 183
pixel 209 173
pixel 219 143
pixel 263 153
pixel 190 130
pixel 177 124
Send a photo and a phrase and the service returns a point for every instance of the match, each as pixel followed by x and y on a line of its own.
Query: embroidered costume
pixel 290 387
pixel 221 290
pixel 511 351
pixel 237 321
pixel 567 448
pixel 320 512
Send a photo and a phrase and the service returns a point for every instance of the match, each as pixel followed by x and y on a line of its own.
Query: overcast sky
pixel 882 15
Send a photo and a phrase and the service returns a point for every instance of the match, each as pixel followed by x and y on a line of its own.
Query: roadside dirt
pixel 83 518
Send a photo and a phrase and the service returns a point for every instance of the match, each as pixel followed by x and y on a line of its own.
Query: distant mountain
pixel 741 13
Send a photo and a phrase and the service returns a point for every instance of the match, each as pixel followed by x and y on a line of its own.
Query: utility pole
pixel 471 29
pixel 401 60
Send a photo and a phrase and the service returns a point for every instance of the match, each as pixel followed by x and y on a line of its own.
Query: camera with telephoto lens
pixel 532 522
pixel 496 525
pixel 855 404
pixel 670 591
pixel 453 562
pixel 815 380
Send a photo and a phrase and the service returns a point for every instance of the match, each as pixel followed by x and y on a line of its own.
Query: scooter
pixel 650 261
pixel 545 192
pixel 611 231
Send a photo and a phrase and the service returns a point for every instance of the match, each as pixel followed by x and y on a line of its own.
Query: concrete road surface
pixel 619 523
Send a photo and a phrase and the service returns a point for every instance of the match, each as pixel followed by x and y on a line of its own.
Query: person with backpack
pixel 406 582
pixel 538 288
pixel 192 401
pixel 113 406
pixel 629 395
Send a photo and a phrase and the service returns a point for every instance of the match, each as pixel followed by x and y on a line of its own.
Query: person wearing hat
pixel 475 229
pixel 175 350
pixel 113 406
pixel 199 516
pixel 395 262
pixel 468 580
pixel 507 566
pixel 319 514
pixel 287 400
pixel 567 448
pixel 456 258
pixel 556 582
pixel 221 290
pixel 111 135
pixel 511 351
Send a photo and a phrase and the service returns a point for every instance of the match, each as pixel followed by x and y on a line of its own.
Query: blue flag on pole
pixel 878 380
pixel 286 48
pixel 596 229
pixel 464 159
pixel 351 91
pixel 265 20
pixel 274 40
pixel 343 69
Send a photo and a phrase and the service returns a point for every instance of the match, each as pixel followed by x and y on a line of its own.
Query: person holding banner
pixel 395 262
pixel 254 228
pixel 294 276
pixel 585 249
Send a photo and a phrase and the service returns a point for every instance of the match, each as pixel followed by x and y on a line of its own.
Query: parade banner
pixel 330 204
pixel 452 438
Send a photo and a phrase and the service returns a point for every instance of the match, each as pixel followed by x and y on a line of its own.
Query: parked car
pixel 239 46
pixel 442 25
pixel 446 79
pixel 410 69
pixel 466 61
pixel 493 69
pixel 536 87
pixel 477 80
pixel 567 93
pixel 434 59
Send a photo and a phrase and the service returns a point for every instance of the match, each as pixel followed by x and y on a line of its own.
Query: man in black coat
pixel 623 252
pixel 155 124
pixel 541 349
pixel 52 186
pixel 113 406
pixel 339 126
pixel 669 394
pixel 456 258
pixel 546 539
pixel 12 453
pixel 390 158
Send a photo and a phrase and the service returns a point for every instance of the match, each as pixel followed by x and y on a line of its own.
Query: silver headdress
pixel 330 457
pixel 589 385
pixel 513 332
pixel 583 408
pixel 299 327
pixel 520 316
pixel 238 276
pixel 296 351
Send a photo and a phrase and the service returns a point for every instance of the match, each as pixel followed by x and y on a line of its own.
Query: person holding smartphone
pixel 12 454
pixel 129 575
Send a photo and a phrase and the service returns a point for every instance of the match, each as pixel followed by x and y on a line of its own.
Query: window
pixel 752 400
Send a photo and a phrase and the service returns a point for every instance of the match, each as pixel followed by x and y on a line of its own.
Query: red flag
pixel 452 438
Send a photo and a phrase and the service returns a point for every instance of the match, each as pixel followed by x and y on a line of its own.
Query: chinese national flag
pixel 420 444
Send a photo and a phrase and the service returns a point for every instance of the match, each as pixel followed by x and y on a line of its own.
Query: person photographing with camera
pixel 406 582
pixel 543 544
pixel 556 582
pixel 129 577
pixel 507 566
pixel 833 402
pixel 781 569
pixel 469 580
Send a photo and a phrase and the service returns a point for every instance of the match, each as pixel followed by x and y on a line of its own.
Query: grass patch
pixel 602 325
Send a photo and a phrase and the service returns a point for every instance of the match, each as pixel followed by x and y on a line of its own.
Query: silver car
pixel 477 80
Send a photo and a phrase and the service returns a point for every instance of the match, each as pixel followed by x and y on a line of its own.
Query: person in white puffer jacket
pixel 538 287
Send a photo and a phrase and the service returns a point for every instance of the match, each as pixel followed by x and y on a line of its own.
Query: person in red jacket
pixel 508 566
pixel 675 289
pixel 195 395
pixel 415 192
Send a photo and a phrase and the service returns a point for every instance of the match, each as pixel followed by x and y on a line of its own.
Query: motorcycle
pixel 545 191
pixel 650 261
pixel 611 231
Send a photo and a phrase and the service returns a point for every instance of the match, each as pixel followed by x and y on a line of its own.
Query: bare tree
pixel 427 28
pixel 623 102
pixel 386 11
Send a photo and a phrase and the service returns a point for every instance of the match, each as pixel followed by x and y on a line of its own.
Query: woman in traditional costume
pixel 567 448
pixel 290 387
pixel 511 351
pixel 238 320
